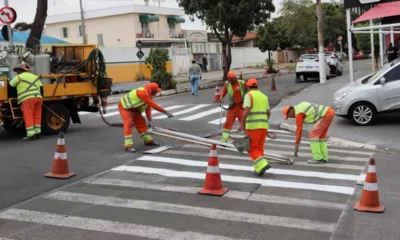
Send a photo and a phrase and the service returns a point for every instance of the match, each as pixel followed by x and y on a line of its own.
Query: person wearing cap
pixel 30 92
pixel 255 122
pixel 131 106
pixel 236 90
pixel 194 76
pixel 319 115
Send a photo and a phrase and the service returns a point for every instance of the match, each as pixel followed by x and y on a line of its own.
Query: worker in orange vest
pixel 236 90
pixel 30 92
pixel 131 107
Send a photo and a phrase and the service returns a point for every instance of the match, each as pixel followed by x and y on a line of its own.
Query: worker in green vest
pixel 319 115
pixel 131 106
pixel 30 92
pixel 255 122
pixel 236 91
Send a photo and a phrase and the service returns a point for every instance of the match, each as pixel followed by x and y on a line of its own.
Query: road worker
pixel 30 92
pixel 236 90
pixel 310 113
pixel 131 107
pixel 255 122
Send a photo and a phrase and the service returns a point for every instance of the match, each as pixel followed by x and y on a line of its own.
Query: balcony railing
pixel 160 33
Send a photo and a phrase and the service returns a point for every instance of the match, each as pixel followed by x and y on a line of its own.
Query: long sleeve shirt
pixel 237 98
pixel 194 69
pixel 145 97
pixel 299 126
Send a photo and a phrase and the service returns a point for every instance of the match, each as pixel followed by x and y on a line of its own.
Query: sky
pixel 26 8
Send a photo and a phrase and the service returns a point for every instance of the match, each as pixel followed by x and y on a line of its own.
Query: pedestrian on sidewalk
pixel 204 63
pixel 319 115
pixel 391 52
pixel 30 92
pixel 236 90
pixel 131 106
pixel 194 77
pixel 255 121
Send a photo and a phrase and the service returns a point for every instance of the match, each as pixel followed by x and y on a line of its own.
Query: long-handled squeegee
pixel 208 142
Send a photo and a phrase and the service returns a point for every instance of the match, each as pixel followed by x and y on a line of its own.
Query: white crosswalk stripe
pixel 156 197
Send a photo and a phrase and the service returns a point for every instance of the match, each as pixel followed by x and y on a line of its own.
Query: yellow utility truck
pixel 74 80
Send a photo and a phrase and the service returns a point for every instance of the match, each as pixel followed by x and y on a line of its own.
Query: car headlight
pixel 340 96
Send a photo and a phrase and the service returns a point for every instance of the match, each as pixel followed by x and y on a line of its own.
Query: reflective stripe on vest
pixel 229 88
pixel 258 118
pixel 25 90
pixel 313 112
pixel 131 100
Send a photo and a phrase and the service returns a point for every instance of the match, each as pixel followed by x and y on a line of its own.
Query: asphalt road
pixel 140 198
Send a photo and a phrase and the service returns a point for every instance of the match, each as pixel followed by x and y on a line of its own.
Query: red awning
pixel 380 11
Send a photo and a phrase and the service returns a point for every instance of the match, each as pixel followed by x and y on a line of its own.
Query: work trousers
pixel 233 113
pixel 256 150
pixel 133 117
pixel 194 83
pixel 319 131
pixel 32 114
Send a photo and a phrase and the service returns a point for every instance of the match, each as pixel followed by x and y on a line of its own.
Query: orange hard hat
pixel 284 111
pixel 231 75
pixel 153 87
pixel 252 82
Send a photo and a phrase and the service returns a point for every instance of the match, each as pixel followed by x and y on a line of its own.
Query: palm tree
pixel 33 41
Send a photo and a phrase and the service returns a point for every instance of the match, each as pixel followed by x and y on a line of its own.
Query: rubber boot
pixel 152 143
pixel 131 150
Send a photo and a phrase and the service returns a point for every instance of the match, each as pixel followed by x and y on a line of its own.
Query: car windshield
pixel 309 56
pixel 373 77
pixel 327 54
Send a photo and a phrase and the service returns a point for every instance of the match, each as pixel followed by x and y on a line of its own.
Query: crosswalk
pixel 155 197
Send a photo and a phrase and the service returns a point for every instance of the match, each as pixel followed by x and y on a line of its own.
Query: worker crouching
pixel 131 107
pixel 310 113
pixel 30 92
pixel 255 121
pixel 236 91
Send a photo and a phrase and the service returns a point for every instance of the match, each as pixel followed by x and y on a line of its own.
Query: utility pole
pixel 9 31
pixel 321 55
pixel 83 23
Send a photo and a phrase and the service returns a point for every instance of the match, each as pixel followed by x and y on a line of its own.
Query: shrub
pixel 270 64
pixel 157 63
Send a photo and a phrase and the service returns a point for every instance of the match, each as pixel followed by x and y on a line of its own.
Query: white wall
pixel 180 64
pixel 128 54
pixel 244 57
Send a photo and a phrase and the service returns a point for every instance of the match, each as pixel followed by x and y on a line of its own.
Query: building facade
pixel 120 26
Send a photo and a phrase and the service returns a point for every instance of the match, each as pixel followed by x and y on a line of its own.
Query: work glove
pixel 169 114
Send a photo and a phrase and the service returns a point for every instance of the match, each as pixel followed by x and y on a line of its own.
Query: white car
pixel 308 67
pixel 334 63
pixel 373 94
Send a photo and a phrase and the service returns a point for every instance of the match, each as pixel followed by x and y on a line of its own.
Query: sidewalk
pixel 355 225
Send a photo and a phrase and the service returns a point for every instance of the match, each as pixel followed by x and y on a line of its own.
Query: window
pixel 393 75
pixel 100 40
pixel 80 31
pixel 64 32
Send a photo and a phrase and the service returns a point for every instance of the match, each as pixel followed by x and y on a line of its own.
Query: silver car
pixel 374 94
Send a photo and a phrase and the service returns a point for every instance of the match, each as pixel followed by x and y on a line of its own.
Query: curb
pixel 331 140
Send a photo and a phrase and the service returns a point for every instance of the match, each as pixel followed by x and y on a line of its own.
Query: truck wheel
pixel 51 123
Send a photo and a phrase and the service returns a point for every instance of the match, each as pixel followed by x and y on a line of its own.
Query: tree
pixel 267 39
pixel 157 63
pixel 33 41
pixel 23 26
pixel 364 39
pixel 229 18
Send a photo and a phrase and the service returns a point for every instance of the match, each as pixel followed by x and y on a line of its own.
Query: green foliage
pixel 364 39
pixel 270 64
pixel 157 63
pixel 229 18
pixel 271 36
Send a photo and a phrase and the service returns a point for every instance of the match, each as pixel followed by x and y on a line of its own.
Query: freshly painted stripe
pixel 92 224
pixel 157 150
pixel 371 168
pixel 228 178
pixel 250 168
pixel 309 154
pixel 349 151
pixel 246 158
pixel 80 113
pixel 230 194
pixel 212 169
pixel 202 114
pixel 153 112
pixel 184 111
pixel 286 140
pixel 62 156
pixel 110 114
pixel 216 121
pixel 371 186
pixel 210 213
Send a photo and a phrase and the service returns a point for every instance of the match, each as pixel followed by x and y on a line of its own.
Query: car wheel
pixel 362 114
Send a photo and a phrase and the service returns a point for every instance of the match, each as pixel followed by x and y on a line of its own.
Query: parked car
pixel 334 63
pixel 358 55
pixel 374 94
pixel 341 55
pixel 308 67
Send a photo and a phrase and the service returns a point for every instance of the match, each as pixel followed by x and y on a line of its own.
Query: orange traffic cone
pixel 265 71
pixel 60 161
pixel 213 182
pixel 217 95
pixel 273 87
pixel 370 196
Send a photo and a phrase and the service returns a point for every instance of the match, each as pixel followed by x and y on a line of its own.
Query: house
pixel 120 26
pixel 246 41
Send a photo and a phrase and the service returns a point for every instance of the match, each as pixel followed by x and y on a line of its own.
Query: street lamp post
pixel 321 55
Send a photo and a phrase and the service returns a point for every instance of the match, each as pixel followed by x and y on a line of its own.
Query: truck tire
pixel 52 124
